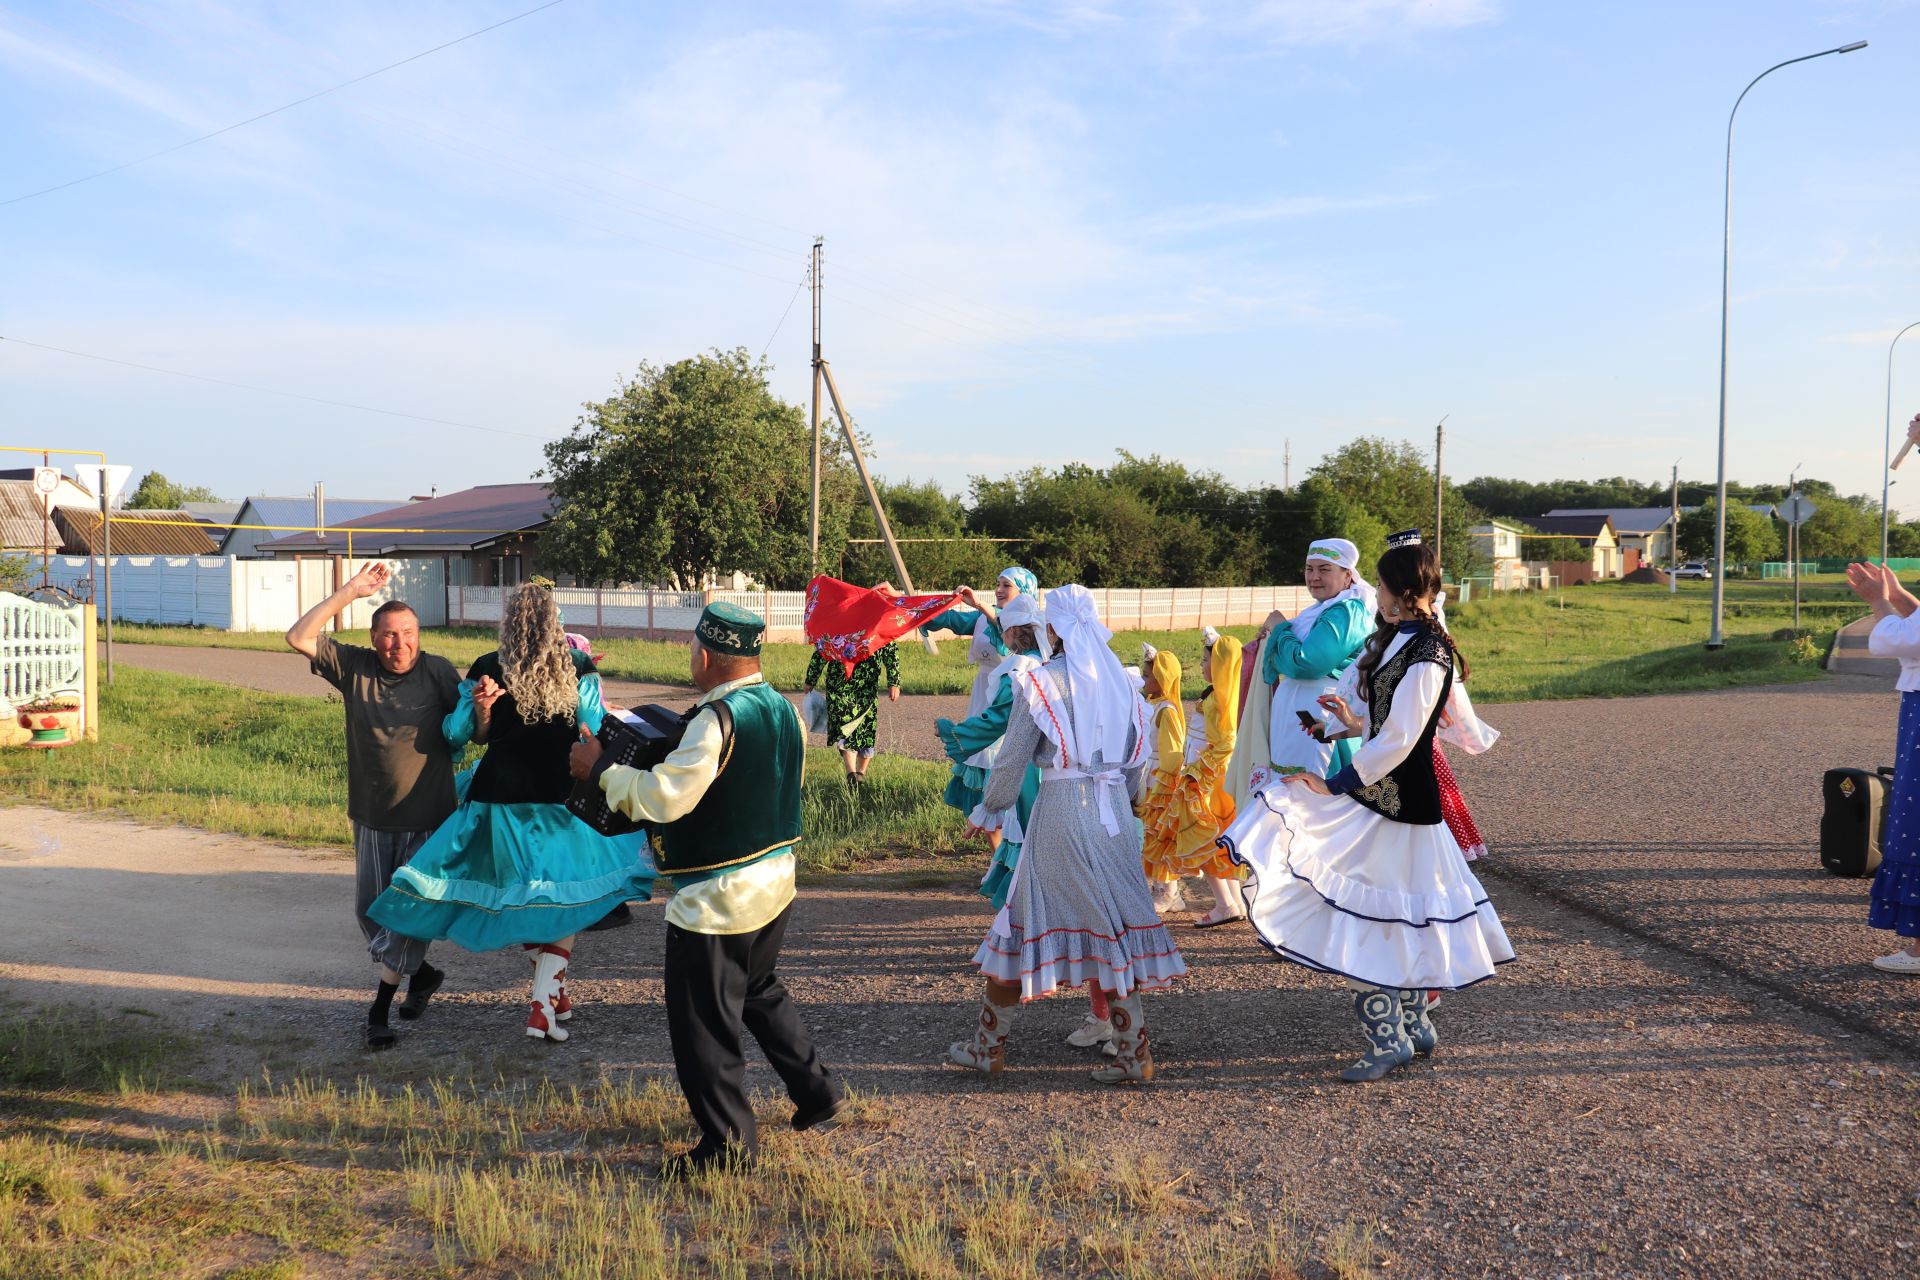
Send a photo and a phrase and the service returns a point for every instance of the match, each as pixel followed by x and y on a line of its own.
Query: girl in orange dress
pixel 1200 806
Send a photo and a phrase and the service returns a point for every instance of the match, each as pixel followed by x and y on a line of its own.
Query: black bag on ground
pixel 643 742
pixel 1853 821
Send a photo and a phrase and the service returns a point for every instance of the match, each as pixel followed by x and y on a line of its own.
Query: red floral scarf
pixel 853 623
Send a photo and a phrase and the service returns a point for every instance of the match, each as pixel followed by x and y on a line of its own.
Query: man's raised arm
pixel 304 636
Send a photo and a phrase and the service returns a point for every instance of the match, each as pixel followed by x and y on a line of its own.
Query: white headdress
pixel 1104 700
pixel 1343 553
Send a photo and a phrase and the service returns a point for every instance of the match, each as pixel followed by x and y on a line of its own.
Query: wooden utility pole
pixel 1673 537
pixel 813 282
pixel 1286 467
pixel 1439 480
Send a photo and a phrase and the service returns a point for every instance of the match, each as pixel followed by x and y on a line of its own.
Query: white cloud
pixel 1353 22
pixel 1214 217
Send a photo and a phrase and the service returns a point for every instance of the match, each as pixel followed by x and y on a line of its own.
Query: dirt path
pixel 1608 1106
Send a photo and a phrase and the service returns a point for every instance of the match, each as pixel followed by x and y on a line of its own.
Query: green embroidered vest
pixel 753 806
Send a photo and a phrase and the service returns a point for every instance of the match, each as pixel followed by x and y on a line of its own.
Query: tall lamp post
pixel 1716 637
pixel 1886 469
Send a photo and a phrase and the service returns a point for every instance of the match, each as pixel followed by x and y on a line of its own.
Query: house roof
pixel 1500 522
pixel 212 512
pixel 81 535
pixel 1583 526
pixel 1628 520
pixel 298 511
pixel 20 528
pixel 463 521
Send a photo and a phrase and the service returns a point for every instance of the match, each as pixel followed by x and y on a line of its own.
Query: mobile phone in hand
pixel 1314 728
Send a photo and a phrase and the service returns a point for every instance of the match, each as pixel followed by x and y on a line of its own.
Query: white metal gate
pixel 43 649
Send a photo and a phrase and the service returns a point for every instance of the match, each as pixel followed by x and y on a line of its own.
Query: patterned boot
pixel 987 1051
pixel 562 1002
pixel 549 968
pixel 1387 1043
pixel 1421 1033
pixel 1132 1060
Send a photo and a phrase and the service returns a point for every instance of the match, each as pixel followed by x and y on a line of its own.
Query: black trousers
pixel 715 984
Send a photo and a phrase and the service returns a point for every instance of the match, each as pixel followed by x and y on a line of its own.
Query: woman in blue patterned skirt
pixel 1895 899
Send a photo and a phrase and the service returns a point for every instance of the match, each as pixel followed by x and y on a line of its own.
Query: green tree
pixel 919 511
pixel 16 572
pixel 1391 481
pixel 1840 526
pixel 157 493
pixel 1315 509
pixel 1751 536
pixel 690 470
pixel 1903 539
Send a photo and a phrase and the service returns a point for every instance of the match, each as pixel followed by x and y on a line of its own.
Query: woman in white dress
pixel 1359 875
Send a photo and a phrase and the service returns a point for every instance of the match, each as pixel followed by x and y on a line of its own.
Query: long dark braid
pixel 1406 571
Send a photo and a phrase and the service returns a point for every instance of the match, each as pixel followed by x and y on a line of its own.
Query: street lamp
pixel 1715 637
pixel 1886 471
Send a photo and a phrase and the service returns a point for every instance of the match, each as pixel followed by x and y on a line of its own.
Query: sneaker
pixel 1166 897
pixel 1091 1032
pixel 1898 962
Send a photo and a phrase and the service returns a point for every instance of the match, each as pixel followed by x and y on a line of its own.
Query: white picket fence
pixel 672 614
pixel 43 649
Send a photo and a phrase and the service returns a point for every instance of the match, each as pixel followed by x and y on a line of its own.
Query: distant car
pixel 1693 569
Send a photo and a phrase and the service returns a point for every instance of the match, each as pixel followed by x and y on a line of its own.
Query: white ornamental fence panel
pixel 43 649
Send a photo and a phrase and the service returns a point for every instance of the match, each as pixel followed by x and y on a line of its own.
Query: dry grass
pixel 309 1176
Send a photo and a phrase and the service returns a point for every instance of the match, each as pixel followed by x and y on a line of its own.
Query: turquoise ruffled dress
pixel 979 733
pixel 512 864
pixel 986 649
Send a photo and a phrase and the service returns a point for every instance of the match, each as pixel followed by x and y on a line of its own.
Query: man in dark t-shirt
pixel 399 768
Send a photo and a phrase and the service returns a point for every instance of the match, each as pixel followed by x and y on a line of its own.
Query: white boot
pixel 987 1051
pixel 549 970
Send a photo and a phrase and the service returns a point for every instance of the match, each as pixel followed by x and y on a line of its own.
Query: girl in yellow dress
pixel 1161 688
pixel 1199 807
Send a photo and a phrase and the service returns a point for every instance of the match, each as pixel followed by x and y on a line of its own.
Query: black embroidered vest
pixel 1411 793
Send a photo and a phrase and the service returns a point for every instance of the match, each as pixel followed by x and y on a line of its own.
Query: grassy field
pixel 116 1164
pixel 1615 640
pixel 176 749
pixel 666 663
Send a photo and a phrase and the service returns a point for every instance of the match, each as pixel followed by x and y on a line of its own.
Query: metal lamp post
pixel 1716 637
pixel 1886 460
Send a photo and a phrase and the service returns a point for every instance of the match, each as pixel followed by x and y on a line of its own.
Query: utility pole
pixel 1673 537
pixel 1439 479
pixel 1286 467
pixel 813 283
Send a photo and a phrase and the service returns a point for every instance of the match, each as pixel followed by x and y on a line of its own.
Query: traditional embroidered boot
pixel 549 967
pixel 1421 1033
pixel 1132 1060
pixel 1387 1043
pixel 987 1051
pixel 562 1002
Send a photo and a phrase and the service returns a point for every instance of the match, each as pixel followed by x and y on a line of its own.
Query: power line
pixel 783 318
pixel 274 391
pixel 287 106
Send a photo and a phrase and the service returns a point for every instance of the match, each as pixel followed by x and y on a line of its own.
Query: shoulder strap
pixel 724 714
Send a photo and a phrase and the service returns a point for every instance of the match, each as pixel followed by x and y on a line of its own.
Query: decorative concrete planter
pixel 51 723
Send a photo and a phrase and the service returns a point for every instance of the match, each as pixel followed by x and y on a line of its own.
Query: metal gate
pixel 43 649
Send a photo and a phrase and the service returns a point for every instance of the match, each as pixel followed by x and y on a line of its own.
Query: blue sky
pixel 1053 229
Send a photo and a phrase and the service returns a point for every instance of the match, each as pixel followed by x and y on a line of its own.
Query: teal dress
pixel 1300 671
pixel 512 864
pixel 986 649
pixel 971 736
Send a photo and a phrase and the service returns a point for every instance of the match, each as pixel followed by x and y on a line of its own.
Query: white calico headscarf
pixel 1343 553
pixel 1104 701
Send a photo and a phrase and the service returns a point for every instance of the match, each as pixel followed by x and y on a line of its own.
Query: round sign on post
pixel 46 483
pixel 1797 509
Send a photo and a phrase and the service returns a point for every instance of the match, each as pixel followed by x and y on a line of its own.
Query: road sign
pixel 1797 509
pixel 104 479
pixel 46 483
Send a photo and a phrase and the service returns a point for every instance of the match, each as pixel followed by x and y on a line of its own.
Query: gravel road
pixel 1608 1107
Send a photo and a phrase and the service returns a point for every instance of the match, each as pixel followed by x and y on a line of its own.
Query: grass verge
pixel 523 1178
pixel 177 749
pixel 661 662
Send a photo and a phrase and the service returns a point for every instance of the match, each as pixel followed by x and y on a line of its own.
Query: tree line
pixel 696 467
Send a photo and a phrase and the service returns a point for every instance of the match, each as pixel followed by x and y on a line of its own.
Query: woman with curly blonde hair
pixel 513 865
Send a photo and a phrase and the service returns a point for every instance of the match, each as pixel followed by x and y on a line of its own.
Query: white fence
pixel 43 650
pixel 227 594
pixel 672 614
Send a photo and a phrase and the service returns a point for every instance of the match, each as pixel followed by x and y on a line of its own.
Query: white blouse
pixel 1413 705
pixel 1897 637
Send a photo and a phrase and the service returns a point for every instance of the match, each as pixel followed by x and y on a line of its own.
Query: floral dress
pixel 853 701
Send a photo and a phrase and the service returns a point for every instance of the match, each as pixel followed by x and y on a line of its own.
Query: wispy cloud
pixel 1354 22
pixel 1215 217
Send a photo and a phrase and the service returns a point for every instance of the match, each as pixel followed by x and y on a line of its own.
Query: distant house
pixel 1499 539
pixel 1645 533
pixel 81 534
pixel 487 536
pixel 217 514
pixel 23 522
pixel 265 519
pixel 1592 547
